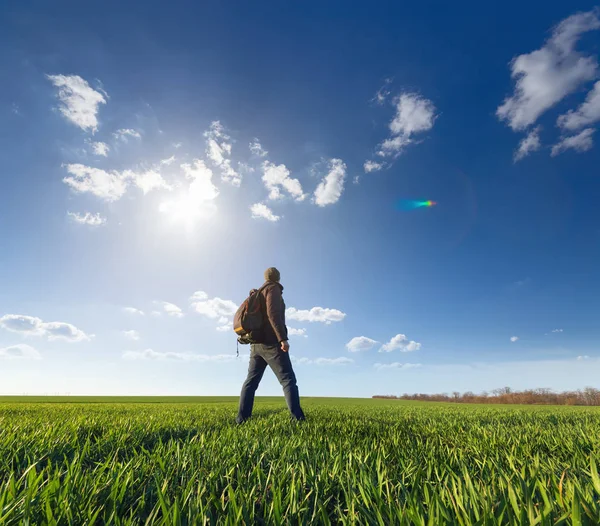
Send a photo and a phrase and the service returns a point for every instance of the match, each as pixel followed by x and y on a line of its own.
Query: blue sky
pixel 157 158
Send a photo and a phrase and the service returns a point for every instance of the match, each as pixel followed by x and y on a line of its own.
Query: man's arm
pixel 276 313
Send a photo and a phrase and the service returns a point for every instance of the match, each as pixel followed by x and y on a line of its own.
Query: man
pixel 272 350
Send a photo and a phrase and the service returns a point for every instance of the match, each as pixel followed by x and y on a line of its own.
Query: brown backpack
pixel 250 318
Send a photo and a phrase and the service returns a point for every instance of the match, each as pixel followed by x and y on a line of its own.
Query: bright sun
pixel 187 210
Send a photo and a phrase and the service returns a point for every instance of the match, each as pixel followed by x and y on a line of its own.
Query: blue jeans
pixel 262 355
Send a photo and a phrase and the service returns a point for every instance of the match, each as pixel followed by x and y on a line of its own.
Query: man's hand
pixel 285 346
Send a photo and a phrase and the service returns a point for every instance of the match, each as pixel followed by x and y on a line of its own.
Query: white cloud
pixel 316 314
pixel 582 142
pixel 131 335
pixel 133 310
pixel 583 357
pixel 383 93
pixel 78 101
pixel 322 361
pixel 169 308
pixel 100 148
pixel 297 332
pixel 372 166
pixel 19 352
pixel 87 219
pixel 557 330
pixel 257 149
pixel 331 187
pixel 547 75
pixel 514 339
pixel 400 342
pixel 260 210
pixel 218 150
pixel 277 177
pixel 228 326
pixel 124 133
pixel 149 354
pixel 146 181
pixel 530 143
pixel 213 308
pixel 246 168
pixel 32 326
pixel 197 200
pixel 360 343
pixel 396 365
pixel 110 186
pixel 201 187
pixel 588 113
pixel 334 361
pixel 414 115
pixel 168 161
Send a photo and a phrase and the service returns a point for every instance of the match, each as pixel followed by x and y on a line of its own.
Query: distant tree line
pixel 505 395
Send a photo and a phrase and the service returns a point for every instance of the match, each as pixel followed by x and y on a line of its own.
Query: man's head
pixel 272 274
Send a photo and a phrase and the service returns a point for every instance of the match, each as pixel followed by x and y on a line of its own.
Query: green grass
pixel 182 461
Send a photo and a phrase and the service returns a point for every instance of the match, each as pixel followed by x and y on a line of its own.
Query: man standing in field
pixel 272 349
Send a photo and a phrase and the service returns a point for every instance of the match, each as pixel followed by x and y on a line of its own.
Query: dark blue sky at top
pixel 510 248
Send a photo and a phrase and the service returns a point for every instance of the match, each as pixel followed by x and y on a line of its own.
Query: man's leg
pixel 281 365
pixel 256 368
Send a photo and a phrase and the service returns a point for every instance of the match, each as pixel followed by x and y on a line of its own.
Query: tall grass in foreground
pixel 378 463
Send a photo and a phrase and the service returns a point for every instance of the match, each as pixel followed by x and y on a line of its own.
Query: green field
pixel 182 461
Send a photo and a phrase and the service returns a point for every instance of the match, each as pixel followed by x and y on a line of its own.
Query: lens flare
pixel 411 204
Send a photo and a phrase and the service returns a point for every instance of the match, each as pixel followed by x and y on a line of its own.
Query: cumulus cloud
pixel 32 326
pixel 169 308
pixel 78 101
pixel 146 181
pixel 227 326
pixel 331 187
pixel 197 200
pixel 262 211
pixel 316 314
pixel 276 178
pixel 372 166
pixel 131 335
pixel 400 343
pixel 396 365
pixel 218 150
pixel 530 143
pixel 213 308
pixel 124 134
pixel 547 75
pixel 514 339
pixel 583 357
pixel 414 115
pixel 297 332
pixel 100 148
pixel 19 352
pixel 557 330
pixel 257 149
pixel 588 113
pixel 360 343
pixel 322 361
pixel 133 310
pixel 582 142
pixel 109 186
pixel 87 219
pixel 150 354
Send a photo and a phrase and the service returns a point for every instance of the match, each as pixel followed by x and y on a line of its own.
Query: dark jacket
pixel 274 329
